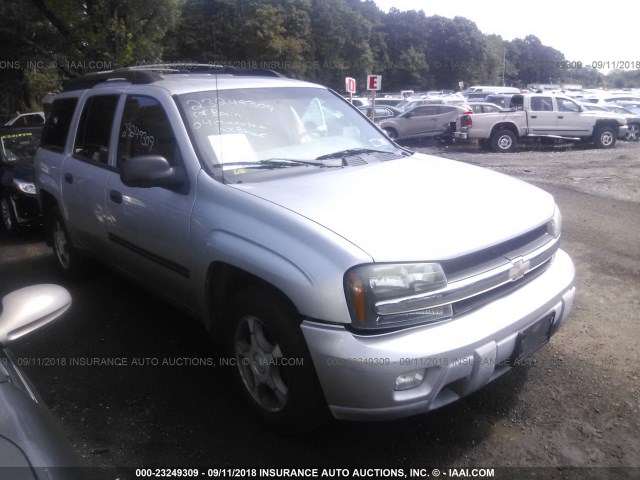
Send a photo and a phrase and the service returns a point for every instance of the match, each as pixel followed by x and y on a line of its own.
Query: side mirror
pixel 30 308
pixel 410 114
pixel 149 171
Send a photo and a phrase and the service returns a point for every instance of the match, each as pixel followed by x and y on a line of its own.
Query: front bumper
pixel 358 373
pixel 623 130
pixel 25 208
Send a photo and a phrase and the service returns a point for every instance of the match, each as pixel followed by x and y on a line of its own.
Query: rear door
pixel 86 170
pixel 446 115
pixel 542 117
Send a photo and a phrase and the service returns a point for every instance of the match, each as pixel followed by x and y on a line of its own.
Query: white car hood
pixel 413 209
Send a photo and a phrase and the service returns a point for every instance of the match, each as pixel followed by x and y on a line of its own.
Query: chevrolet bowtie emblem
pixel 518 269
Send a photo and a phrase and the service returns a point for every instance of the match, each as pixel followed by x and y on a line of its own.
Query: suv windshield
pixel 263 128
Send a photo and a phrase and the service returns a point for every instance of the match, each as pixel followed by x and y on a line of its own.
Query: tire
pixel 633 135
pixel 446 140
pixel 604 137
pixel 263 335
pixel 67 258
pixel 8 216
pixel 391 133
pixel 504 141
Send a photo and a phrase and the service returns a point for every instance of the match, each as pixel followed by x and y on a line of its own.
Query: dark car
pixel 18 203
pixel 32 446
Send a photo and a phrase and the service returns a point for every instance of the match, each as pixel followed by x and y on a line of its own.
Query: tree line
pixel 44 42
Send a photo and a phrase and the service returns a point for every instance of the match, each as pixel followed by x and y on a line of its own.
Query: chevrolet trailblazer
pixel 342 273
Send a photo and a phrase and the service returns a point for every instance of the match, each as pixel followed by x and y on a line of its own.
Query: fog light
pixel 409 380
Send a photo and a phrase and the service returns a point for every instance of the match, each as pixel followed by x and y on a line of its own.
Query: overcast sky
pixel 583 31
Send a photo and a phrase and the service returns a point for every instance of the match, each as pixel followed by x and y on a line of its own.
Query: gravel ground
pixel 576 406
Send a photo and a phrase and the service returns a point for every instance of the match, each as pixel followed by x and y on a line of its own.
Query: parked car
pixel 484 107
pixel 359 101
pixel 633 107
pixel 502 100
pixel 424 121
pixel 389 101
pixel 18 203
pixel 26 120
pixel 341 273
pixel 541 118
pixel 382 112
pixel 633 122
pixel 32 446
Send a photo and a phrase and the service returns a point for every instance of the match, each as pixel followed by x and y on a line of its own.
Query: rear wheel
pixel 604 137
pixel 504 141
pixel 67 258
pixel 272 365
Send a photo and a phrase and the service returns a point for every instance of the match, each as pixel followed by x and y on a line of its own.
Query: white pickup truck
pixel 540 116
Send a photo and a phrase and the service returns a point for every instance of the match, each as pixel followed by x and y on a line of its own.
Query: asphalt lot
pixel 164 405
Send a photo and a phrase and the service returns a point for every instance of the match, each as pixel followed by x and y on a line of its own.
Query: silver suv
pixel 341 273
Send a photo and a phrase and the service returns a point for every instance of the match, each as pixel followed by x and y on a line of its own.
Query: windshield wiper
pixel 272 163
pixel 355 151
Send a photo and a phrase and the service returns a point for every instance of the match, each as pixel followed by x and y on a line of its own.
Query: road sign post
pixel 350 87
pixel 374 83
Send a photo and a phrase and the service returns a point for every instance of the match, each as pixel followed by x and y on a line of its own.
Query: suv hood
pixel 413 209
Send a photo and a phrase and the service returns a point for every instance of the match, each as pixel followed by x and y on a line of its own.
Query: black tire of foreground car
pixel 8 218
pixel 273 368
pixel 604 137
pixel 504 141
pixel 68 260
pixel 391 133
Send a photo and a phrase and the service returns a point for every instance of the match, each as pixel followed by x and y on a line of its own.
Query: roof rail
pixel 143 74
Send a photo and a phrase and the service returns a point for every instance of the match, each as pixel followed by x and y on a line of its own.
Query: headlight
pixel 555 225
pixel 25 187
pixel 390 295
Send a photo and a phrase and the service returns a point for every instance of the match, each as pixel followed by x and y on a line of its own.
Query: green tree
pixel 113 32
pixel 455 50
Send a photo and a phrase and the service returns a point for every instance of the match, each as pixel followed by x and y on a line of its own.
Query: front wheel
pixel 504 141
pixel 273 367
pixel 8 217
pixel 391 133
pixel 633 134
pixel 604 137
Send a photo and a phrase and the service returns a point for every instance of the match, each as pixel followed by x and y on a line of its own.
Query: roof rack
pixel 144 74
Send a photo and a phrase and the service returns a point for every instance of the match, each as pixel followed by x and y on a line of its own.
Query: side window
pixel 541 104
pixel 56 128
pixel 94 129
pixel 565 105
pixel 426 111
pixel 145 130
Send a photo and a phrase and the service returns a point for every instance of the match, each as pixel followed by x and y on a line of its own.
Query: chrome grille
pixel 475 279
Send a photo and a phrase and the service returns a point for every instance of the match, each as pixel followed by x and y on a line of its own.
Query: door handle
pixel 115 196
pixel 560 117
pixel 68 178
pixel 534 116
